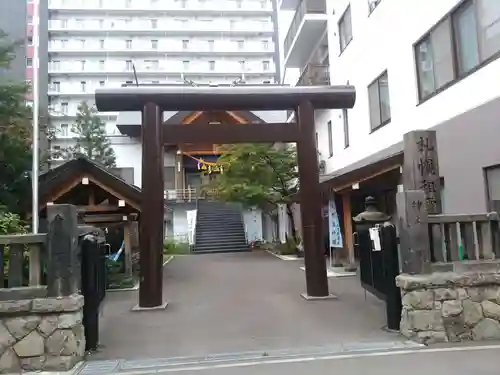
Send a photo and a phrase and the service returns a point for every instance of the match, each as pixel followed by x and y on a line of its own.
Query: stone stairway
pixel 219 228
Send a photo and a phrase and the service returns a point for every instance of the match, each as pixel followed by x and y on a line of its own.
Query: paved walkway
pixel 227 303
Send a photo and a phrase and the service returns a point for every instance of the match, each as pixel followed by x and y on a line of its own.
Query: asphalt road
pixel 476 360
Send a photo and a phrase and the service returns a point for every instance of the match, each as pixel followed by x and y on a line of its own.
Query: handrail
pixel 304 7
pixel 315 75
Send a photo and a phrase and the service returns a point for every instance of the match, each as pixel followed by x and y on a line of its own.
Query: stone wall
pixel 41 334
pixel 451 306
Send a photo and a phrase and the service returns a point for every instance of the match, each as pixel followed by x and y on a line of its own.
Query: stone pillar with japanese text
pixel 420 197
pixel 421 167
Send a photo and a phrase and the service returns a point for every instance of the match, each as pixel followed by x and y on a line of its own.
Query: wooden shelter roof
pixel 58 181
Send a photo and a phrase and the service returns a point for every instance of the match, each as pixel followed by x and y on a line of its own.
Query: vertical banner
pixel 191 224
pixel 334 225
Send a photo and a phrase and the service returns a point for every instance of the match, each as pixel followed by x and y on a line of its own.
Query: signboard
pixel 191 224
pixel 334 225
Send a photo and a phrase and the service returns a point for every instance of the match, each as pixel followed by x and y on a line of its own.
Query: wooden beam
pixel 97 208
pixel 239 120
pixel 92 197
pixel 231 133
pixel 110 218
pixel 113 192
pixel 348 230
pixel 255 98
pixel 369 177
pixel 192 117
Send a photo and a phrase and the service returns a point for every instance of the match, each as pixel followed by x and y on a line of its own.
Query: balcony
pixel 315 75
pixel 306 31
pixel 288 4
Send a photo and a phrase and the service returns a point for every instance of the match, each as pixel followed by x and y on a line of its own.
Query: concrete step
pixel 219 245
pixel 220 228
pixel 217 251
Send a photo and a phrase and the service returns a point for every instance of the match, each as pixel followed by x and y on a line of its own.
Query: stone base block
pixel 41 334
pixel 450 306
pixel 138 308
pixel 314 298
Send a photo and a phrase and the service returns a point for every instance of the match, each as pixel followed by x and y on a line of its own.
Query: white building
pixel 99 43
pixel 416 64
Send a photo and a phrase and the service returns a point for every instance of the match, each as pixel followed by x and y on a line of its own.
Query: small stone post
pixel 63 265
pixel 414 249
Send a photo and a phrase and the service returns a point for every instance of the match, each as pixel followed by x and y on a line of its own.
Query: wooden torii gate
pixel 153 100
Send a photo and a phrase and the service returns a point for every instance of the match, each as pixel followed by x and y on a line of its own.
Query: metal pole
pixel 36 110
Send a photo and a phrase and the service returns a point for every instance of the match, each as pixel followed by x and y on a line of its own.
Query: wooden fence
pixel 23 260
pixel 464 237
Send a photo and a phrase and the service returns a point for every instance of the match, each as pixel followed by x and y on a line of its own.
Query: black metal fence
pixel 379 266
pixel 93 281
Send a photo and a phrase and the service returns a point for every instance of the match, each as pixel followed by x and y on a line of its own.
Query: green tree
pixel 261 175
pixel 91 139
pixel 15 134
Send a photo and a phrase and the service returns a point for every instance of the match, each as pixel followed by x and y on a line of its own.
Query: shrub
pixel 12 224
pixel 171 247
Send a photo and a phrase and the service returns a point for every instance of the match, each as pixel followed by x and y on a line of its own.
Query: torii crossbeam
pixel 153 100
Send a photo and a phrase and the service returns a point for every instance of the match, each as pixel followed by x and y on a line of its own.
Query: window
pixel 101 43
pixel 239 4
pixel 101 24
pixel 263 4
pixel 379 102
pixel 265 65
pixel 345 119
pixel 64 24
pixel 29 62
pixel 467 44
pixel 434 57
pixel 466 39
pixel 242 65
pixel 372 4
pixel 102 83
pixel 64 43
pixel 151 64
pixel 185 44
pixel 240 44
pixel 56 86
pixel 56 65
pixel 154 24
pixel 64 130
pixel 128 44
pixel 330 139
pixel 102 64
pixel 83 86
pixel 492 175
pixel 211 65
pixel 79 23
pixel 64 108
pixel 129 65
pixel 265 44
pixel 345 29
pixel 154 44
pixel 211 45
pixel 82 43
pixel 185 65
pixel 30 41
pixel 82 64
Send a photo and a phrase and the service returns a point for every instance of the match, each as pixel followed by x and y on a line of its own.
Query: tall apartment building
pixel 416 65
pixel 100 43
pixel 16 20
